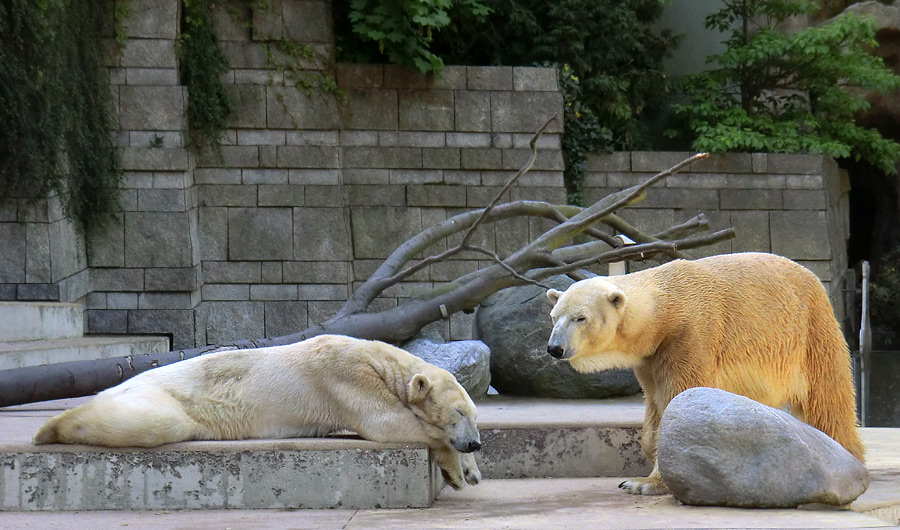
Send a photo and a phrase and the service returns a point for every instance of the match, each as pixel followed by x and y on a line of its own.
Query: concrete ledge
pixel 39 352
pixel 331 473
pixel 23 321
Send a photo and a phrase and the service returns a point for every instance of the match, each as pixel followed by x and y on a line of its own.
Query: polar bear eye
pixel 579 319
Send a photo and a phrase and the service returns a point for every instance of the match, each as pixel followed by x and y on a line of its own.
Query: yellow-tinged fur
pixel 310 388
pixel 754 324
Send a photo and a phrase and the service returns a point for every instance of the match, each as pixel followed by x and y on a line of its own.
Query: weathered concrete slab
pixel 21 321
pixel 38 352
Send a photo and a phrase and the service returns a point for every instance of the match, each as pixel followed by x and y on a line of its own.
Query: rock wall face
pixel 310 191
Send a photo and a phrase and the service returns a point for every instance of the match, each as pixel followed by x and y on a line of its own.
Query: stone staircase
pixel 37 333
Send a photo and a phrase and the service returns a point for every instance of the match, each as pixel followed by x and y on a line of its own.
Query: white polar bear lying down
pixel 310 388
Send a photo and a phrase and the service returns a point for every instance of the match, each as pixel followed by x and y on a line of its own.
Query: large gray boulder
pixel 515 324
pixel 468 360
pixel 721 449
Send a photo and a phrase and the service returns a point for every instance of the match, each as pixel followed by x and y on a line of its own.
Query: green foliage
pixel 884 292
pixel 55 106
pixel 202 64
pixel 789 93
pixel 400 31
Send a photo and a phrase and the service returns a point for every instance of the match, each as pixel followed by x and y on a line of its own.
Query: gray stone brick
pixel 322 292
pixel 451 78
pixel 106 244
pixel 366 176
pixel 308 21
pixel 514 159
pixel 213 233
pixel 274 195
pixel 39 292
pixel 752 231
pixel 370 110
pixel 128 200
pixel 696 180
pixel 535 79
pixel 153 19
pixel 319 157
pixel 553 195
pixel 249 108
pixel 525 112
pixel 231 156
pixel 489 78
pixel 157 240
pixel 230 321
pixel 441 158
pixel 272 272
pixel 419 139
pixel 481 196
pixel 285 318
pixel 268 24
pixel 244 55
pixel 251 137
pixel 121 300
pixel 291 108
pixel 653 161
pixel 107 321
pixel 331 196
pixel 805 200
pixel 377 231
pixel 383 157
pixel 759 162
pixel 259 233
pixel 751 181
pixel 161 200
pixel 117 279
pixel 523 141
pixel 785 227
pixel 482 159
pixel 156 139
pixel 7 291
pixel 264 176
pixel 321 177
pixel 436 195
pixel 69 254
pixel 138 180
pixel 37 253
pixel 217 176
pixel 175 180
pixel 273 292
pixel 751 199
pixel 117 76
pixel 649 221
pixel 310 272
pixel 496 178
pixel 405 78
pixel 164 159
pixel 359 75
pixel 626 180
pixel 541 179
pixel 231 271
pixel 804 182
pixel 469 140
pixel 313 138
pixel 361 195
pixel 268 156
pixel 164 301
pixel 95 301
pixel 149 53
pixel 416 176
pixel 8 210
pixel 796 164
pixel 724 163
pixel 320 234
pixel 502 140
pixel 226 195
pixel 171 279
pixel 225 291
pixel 150 76
pixel 595 180
pixel 426 110
pixel 359 138
pixel 229 20
pixel 159 108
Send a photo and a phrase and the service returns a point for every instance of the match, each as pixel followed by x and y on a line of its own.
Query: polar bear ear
pixel 419 387
pixel 553 295
pixel 616 299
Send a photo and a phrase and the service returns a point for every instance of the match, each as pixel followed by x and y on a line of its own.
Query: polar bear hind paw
pixel 644 486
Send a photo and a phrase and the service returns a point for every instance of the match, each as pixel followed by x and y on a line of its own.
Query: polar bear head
pixel 586 321
pixel 446 410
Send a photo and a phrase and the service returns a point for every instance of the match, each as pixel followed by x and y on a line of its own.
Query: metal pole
pixel 865 347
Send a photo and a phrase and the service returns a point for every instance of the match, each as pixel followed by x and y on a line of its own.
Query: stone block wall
pixel 310 191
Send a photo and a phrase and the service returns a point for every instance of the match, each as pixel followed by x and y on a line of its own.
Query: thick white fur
pixel 754 324
pixel 311 388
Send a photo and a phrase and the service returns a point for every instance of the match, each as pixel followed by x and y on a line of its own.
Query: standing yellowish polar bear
pixel 321 385
pixel 754 324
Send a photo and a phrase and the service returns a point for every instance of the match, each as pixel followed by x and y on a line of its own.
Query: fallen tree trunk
pixel 552 253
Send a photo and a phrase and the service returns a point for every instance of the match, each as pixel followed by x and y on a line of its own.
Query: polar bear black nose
pixel 555 351
pixel 474 446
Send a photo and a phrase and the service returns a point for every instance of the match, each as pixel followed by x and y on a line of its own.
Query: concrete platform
pixel 21 321
pixel 39 352
pixel 512 503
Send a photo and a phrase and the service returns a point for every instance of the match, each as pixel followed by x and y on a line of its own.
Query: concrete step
pixel 23 321
pixel 38 352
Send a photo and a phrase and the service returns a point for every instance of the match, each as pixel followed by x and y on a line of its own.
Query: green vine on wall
pixel 55 107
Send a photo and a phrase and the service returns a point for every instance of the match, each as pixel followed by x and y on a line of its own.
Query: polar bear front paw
pixel 644 486
pixel 470 468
